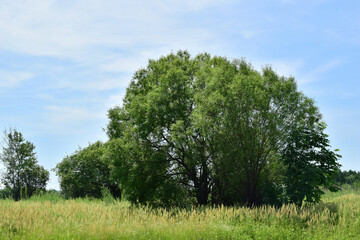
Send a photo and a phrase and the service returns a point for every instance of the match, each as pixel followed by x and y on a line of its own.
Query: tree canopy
pixel 218 131
pixel 87 172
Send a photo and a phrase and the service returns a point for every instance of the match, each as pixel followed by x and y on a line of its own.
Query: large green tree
pixel 157 111
pixel 252 118
pixel 23 176
pixel 86 172
pixel 216 129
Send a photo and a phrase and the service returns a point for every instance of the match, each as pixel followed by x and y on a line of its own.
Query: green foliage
pixel 219 132
pixel 350 177
pixel 86 172
pixel 310 164
pixel 23 176
pixel 106 195
pixel 245 116
pixel 142 175
pixel 47 196
pixel 5 193
pixel 160 148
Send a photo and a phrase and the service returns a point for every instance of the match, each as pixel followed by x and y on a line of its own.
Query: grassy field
pixel 337 217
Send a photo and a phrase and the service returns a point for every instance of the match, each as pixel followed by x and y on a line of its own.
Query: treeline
pixel 350 177
pixel 206 130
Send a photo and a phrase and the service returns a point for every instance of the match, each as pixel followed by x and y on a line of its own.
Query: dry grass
pixel 335 218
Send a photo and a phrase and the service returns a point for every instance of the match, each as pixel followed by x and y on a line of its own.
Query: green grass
pixel 51 217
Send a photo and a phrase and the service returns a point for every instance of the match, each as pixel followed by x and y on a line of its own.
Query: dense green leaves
pixel 350 177
pixel 23 176
pixel 87 172
pixel 217 131
pixel 245 115
pixel 143 174
pixel 310 164
pixel 156 123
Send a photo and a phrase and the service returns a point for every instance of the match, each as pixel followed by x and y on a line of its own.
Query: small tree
pixel 23 176
pixel 86 173
pixel 310 164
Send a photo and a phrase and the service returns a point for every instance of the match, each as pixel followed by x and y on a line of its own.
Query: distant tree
pixel 5 193
pixel 349 177
pixel 86 173
pixel 23 176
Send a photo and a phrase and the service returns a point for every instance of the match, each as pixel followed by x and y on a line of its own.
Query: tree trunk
pixel 202 194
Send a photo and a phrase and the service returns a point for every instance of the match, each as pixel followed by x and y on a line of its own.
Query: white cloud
pixel 114 100
pixel 247 34
pixel 100 84
pixel 316 74
pixel 294 68
pixel 13 79
pixel 77 29
pixel 108 84
pixel 66 114
pixel 130 64
pixel 287 68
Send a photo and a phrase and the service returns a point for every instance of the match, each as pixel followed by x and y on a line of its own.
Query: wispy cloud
pixel 247 34
pixel 70 120
pixel 108 84
pixel 129 64
pixel 78 29
pixel 114 100
pixel 316 74
pixel 66 114
pixel 296 67
pixel 13 79
pixel 99 84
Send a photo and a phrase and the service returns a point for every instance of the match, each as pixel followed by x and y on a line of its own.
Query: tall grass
pixel 52 217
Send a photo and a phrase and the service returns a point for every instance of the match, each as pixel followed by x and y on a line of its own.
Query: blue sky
pixel 63 64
